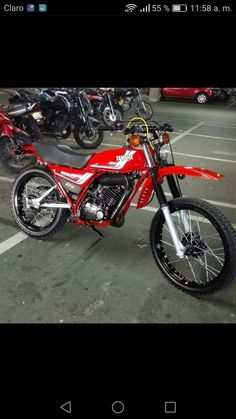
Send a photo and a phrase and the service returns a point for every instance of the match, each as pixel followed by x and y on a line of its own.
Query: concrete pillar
pixel 154 94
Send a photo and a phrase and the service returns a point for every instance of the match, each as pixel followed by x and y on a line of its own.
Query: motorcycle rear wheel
pixel 42 222
pixel 144 110
pixel 209 263
pixel 30 126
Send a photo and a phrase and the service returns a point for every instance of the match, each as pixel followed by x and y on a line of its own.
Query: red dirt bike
pixel 12 139
pixel 192 242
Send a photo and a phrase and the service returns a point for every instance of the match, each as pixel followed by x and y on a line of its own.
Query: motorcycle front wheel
pixel 42 222
pixel 144 110
pixel 108 117
pixel 88 138
pixel 209 239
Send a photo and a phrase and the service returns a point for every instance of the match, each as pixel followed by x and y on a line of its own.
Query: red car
pixel 199 94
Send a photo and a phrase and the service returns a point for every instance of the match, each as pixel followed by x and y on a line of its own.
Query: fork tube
pixel 110 104
pixel 176 192
pixel 158 189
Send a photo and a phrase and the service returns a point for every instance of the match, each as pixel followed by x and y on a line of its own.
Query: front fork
pixel 140 100
pixel 111 106
pixel 180 249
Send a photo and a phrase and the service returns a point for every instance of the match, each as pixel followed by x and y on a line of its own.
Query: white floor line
pixel 12 241
pixel 153 209
pixel 218 203
pixel 6 179
pixel 212 136
pixel 228 106
pixel 224 153
pixel 220 125
pixel 112 145
pixel 188 131
pixel 204 158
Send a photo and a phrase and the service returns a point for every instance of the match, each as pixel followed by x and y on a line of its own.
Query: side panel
pixel 77 177
pixel 145 193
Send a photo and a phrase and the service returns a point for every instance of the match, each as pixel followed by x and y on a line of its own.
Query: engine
pixel 104 197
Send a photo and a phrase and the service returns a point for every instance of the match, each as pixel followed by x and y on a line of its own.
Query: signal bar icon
pixel 146 8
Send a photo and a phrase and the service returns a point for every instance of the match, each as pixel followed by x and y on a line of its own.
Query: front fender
pixel 174 170
pixel 189 171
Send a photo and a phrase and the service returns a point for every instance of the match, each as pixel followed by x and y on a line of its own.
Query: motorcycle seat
pixel 15 106
pixel 62 155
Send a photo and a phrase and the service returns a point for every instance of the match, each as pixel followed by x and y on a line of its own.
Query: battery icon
pixel 179 7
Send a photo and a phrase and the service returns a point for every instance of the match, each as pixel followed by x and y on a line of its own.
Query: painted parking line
pixel 205 158
pixel 213 137
pixel 12 241
pixel 6 179
pixel 153 209
pixel 219 124
pixel 172 118
pixel 225 153
pixel 188 131
pixel 218 203
pixel 228 106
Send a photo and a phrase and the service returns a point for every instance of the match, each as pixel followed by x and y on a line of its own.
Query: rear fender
pixel 7 131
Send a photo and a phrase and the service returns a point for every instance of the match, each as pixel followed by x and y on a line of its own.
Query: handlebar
pixel 141 128
pixel 137 128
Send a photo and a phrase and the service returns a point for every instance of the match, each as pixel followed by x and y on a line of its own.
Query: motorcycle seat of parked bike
pixel 15 106
pixel 62 155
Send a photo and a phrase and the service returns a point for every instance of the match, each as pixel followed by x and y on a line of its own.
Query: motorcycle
pixel 104 104
pixel 23 108
pixel 192 242
pixel 12 140
pixel 126 97
pixel 60 110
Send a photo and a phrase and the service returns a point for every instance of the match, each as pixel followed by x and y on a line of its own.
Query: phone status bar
pixel 114 9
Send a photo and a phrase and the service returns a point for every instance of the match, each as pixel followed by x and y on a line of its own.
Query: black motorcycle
pixel 65 110
pixel 125 97
pixel 23 109
pixel 105 105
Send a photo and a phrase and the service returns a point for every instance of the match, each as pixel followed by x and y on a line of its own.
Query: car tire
pixel 202 98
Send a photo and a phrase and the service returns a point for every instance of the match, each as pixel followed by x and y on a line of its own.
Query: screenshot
pixel 117 210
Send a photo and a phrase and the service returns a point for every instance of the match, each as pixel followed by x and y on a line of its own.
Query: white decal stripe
pixel 116 165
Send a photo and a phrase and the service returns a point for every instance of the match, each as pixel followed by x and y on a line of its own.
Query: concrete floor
pixel 81 278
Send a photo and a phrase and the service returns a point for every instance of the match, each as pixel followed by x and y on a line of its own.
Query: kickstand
pixel 97 231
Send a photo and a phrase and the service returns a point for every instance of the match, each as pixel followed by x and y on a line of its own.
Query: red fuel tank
pixel 118 160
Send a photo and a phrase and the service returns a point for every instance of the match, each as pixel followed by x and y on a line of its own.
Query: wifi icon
pixel 130 7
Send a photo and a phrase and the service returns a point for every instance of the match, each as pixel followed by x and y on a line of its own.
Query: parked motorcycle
pixel 192 242
pixel 12 140
pixel 23 109
pixel 104 104
pixel 126 97
pixel 60 111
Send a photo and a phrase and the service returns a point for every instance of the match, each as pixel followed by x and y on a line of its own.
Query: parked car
pixel 199 94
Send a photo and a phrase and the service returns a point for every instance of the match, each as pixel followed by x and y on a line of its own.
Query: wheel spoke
pixel 205 256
